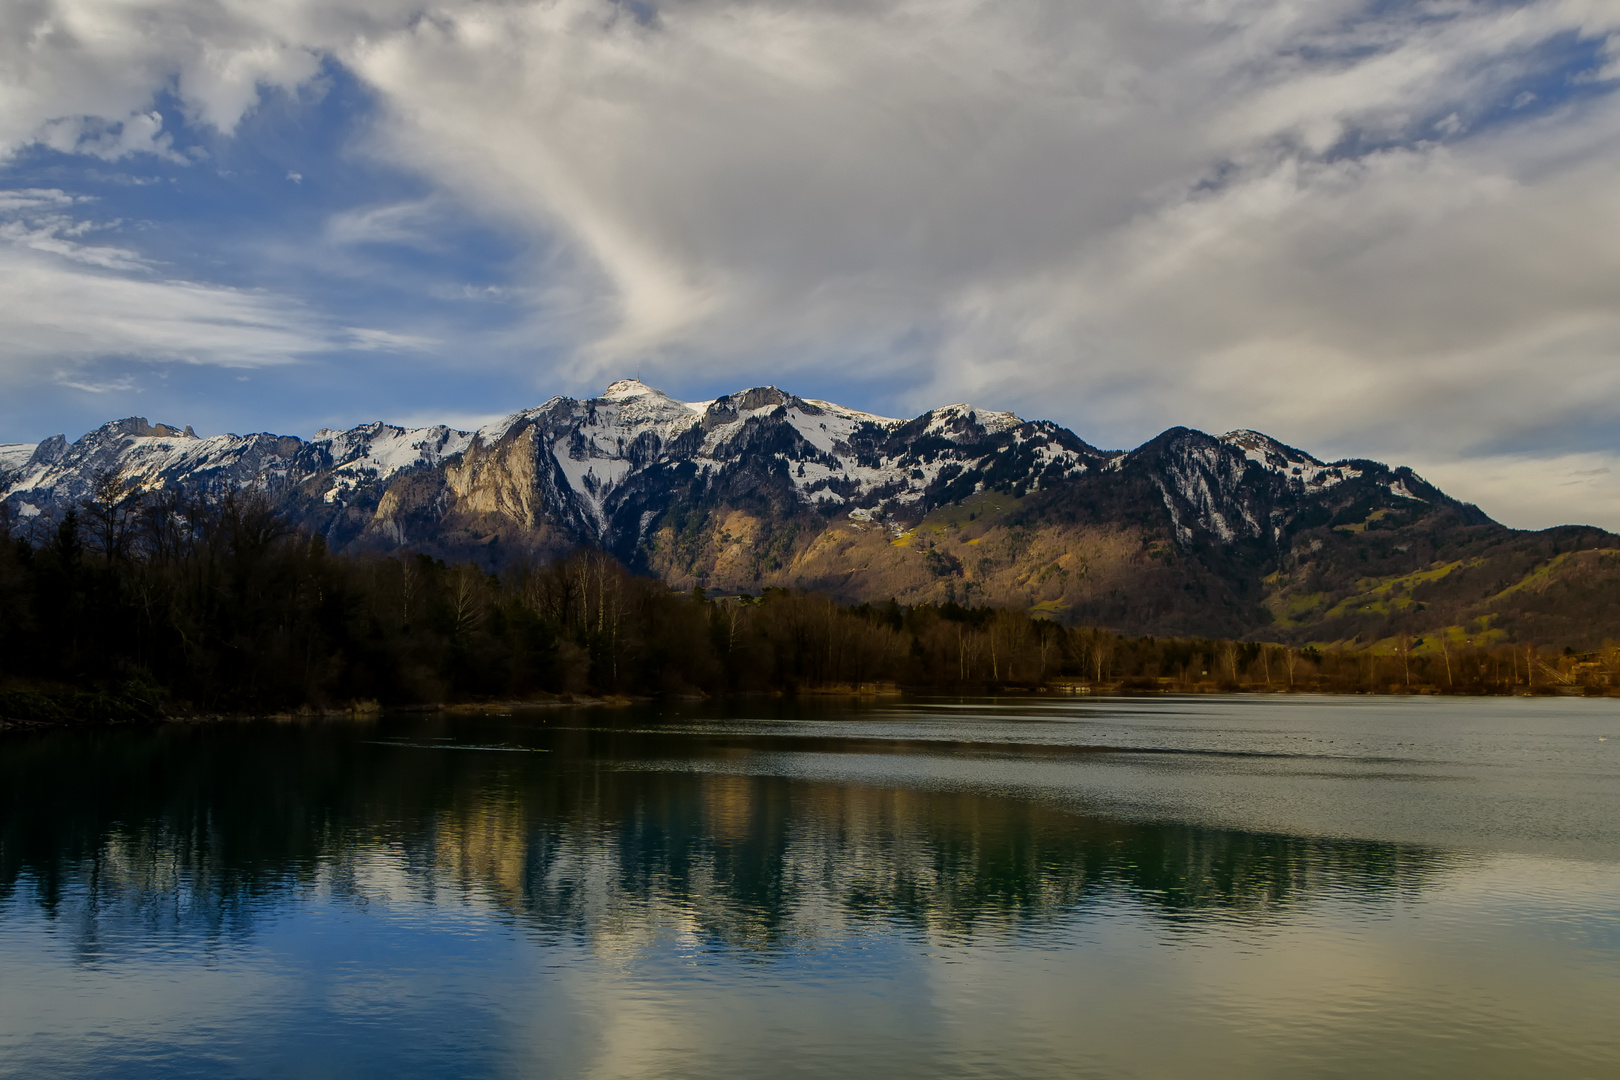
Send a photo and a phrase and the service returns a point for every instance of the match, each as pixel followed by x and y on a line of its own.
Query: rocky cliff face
pixel 1189 533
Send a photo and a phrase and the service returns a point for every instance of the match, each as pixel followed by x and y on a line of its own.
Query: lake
pixel 1149 887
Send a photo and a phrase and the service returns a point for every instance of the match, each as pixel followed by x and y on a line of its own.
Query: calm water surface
pixel 1152 887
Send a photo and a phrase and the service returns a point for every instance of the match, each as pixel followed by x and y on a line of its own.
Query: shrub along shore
pixel 179 606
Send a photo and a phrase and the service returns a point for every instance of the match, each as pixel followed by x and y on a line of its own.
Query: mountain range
pixel 1233 535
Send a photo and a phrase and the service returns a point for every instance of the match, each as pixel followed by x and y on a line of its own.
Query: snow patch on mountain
pixel 854 415
pixel 14 456
pixel 1048 454
pixel 377 451
pixel 383 449
pixel 1399 489
pixel 951 420
pixel 1300 468
pixel 830 427
pixel 1199 474
pixel 598 444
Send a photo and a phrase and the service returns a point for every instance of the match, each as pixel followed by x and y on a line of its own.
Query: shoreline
pixel 46 710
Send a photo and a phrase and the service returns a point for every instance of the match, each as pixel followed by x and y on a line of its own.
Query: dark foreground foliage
pixel 176 604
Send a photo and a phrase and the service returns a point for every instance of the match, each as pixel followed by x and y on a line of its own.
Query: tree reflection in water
pixel 610 836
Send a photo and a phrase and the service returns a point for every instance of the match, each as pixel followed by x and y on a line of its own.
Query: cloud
pixel 57 233
pixel 386 341
pixel 1369 228
pixel 1535 492
pixel 70 305
pixel 138 133
pixel 59 317
pixel 413 223
pixel 12 202
pixel 1418 299
pixel 83 74
pixel 1134 215
pixel 107 386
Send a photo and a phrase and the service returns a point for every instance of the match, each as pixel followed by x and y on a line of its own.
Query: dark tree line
pixel 175 602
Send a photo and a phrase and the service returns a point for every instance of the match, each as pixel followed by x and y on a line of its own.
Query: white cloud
pixel 1117 212
pixel 106 386
pixel 137 133
pixel 1307 217
pixel 1535 492
pixel 412 223
pixel 60 318
pixel 72 70
pixel 70 304
pixel 69 307
pixel 387 341
pixel 1420 300
pixel 57 233
pixel 12 202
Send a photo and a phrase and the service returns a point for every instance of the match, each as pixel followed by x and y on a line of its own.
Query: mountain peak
pixel 137 426
pixel 632 402
pixel 1262 448
pixel 627 389
pixel 954 417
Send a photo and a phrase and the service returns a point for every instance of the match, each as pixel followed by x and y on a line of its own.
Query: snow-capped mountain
pixel 618 457
pixel 605 470
pixel 55 475
pixel 763 487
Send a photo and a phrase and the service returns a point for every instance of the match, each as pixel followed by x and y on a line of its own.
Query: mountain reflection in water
pixel 735 841
pixel 167 829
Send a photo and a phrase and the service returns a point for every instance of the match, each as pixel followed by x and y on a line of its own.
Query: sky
pixel 1371 229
